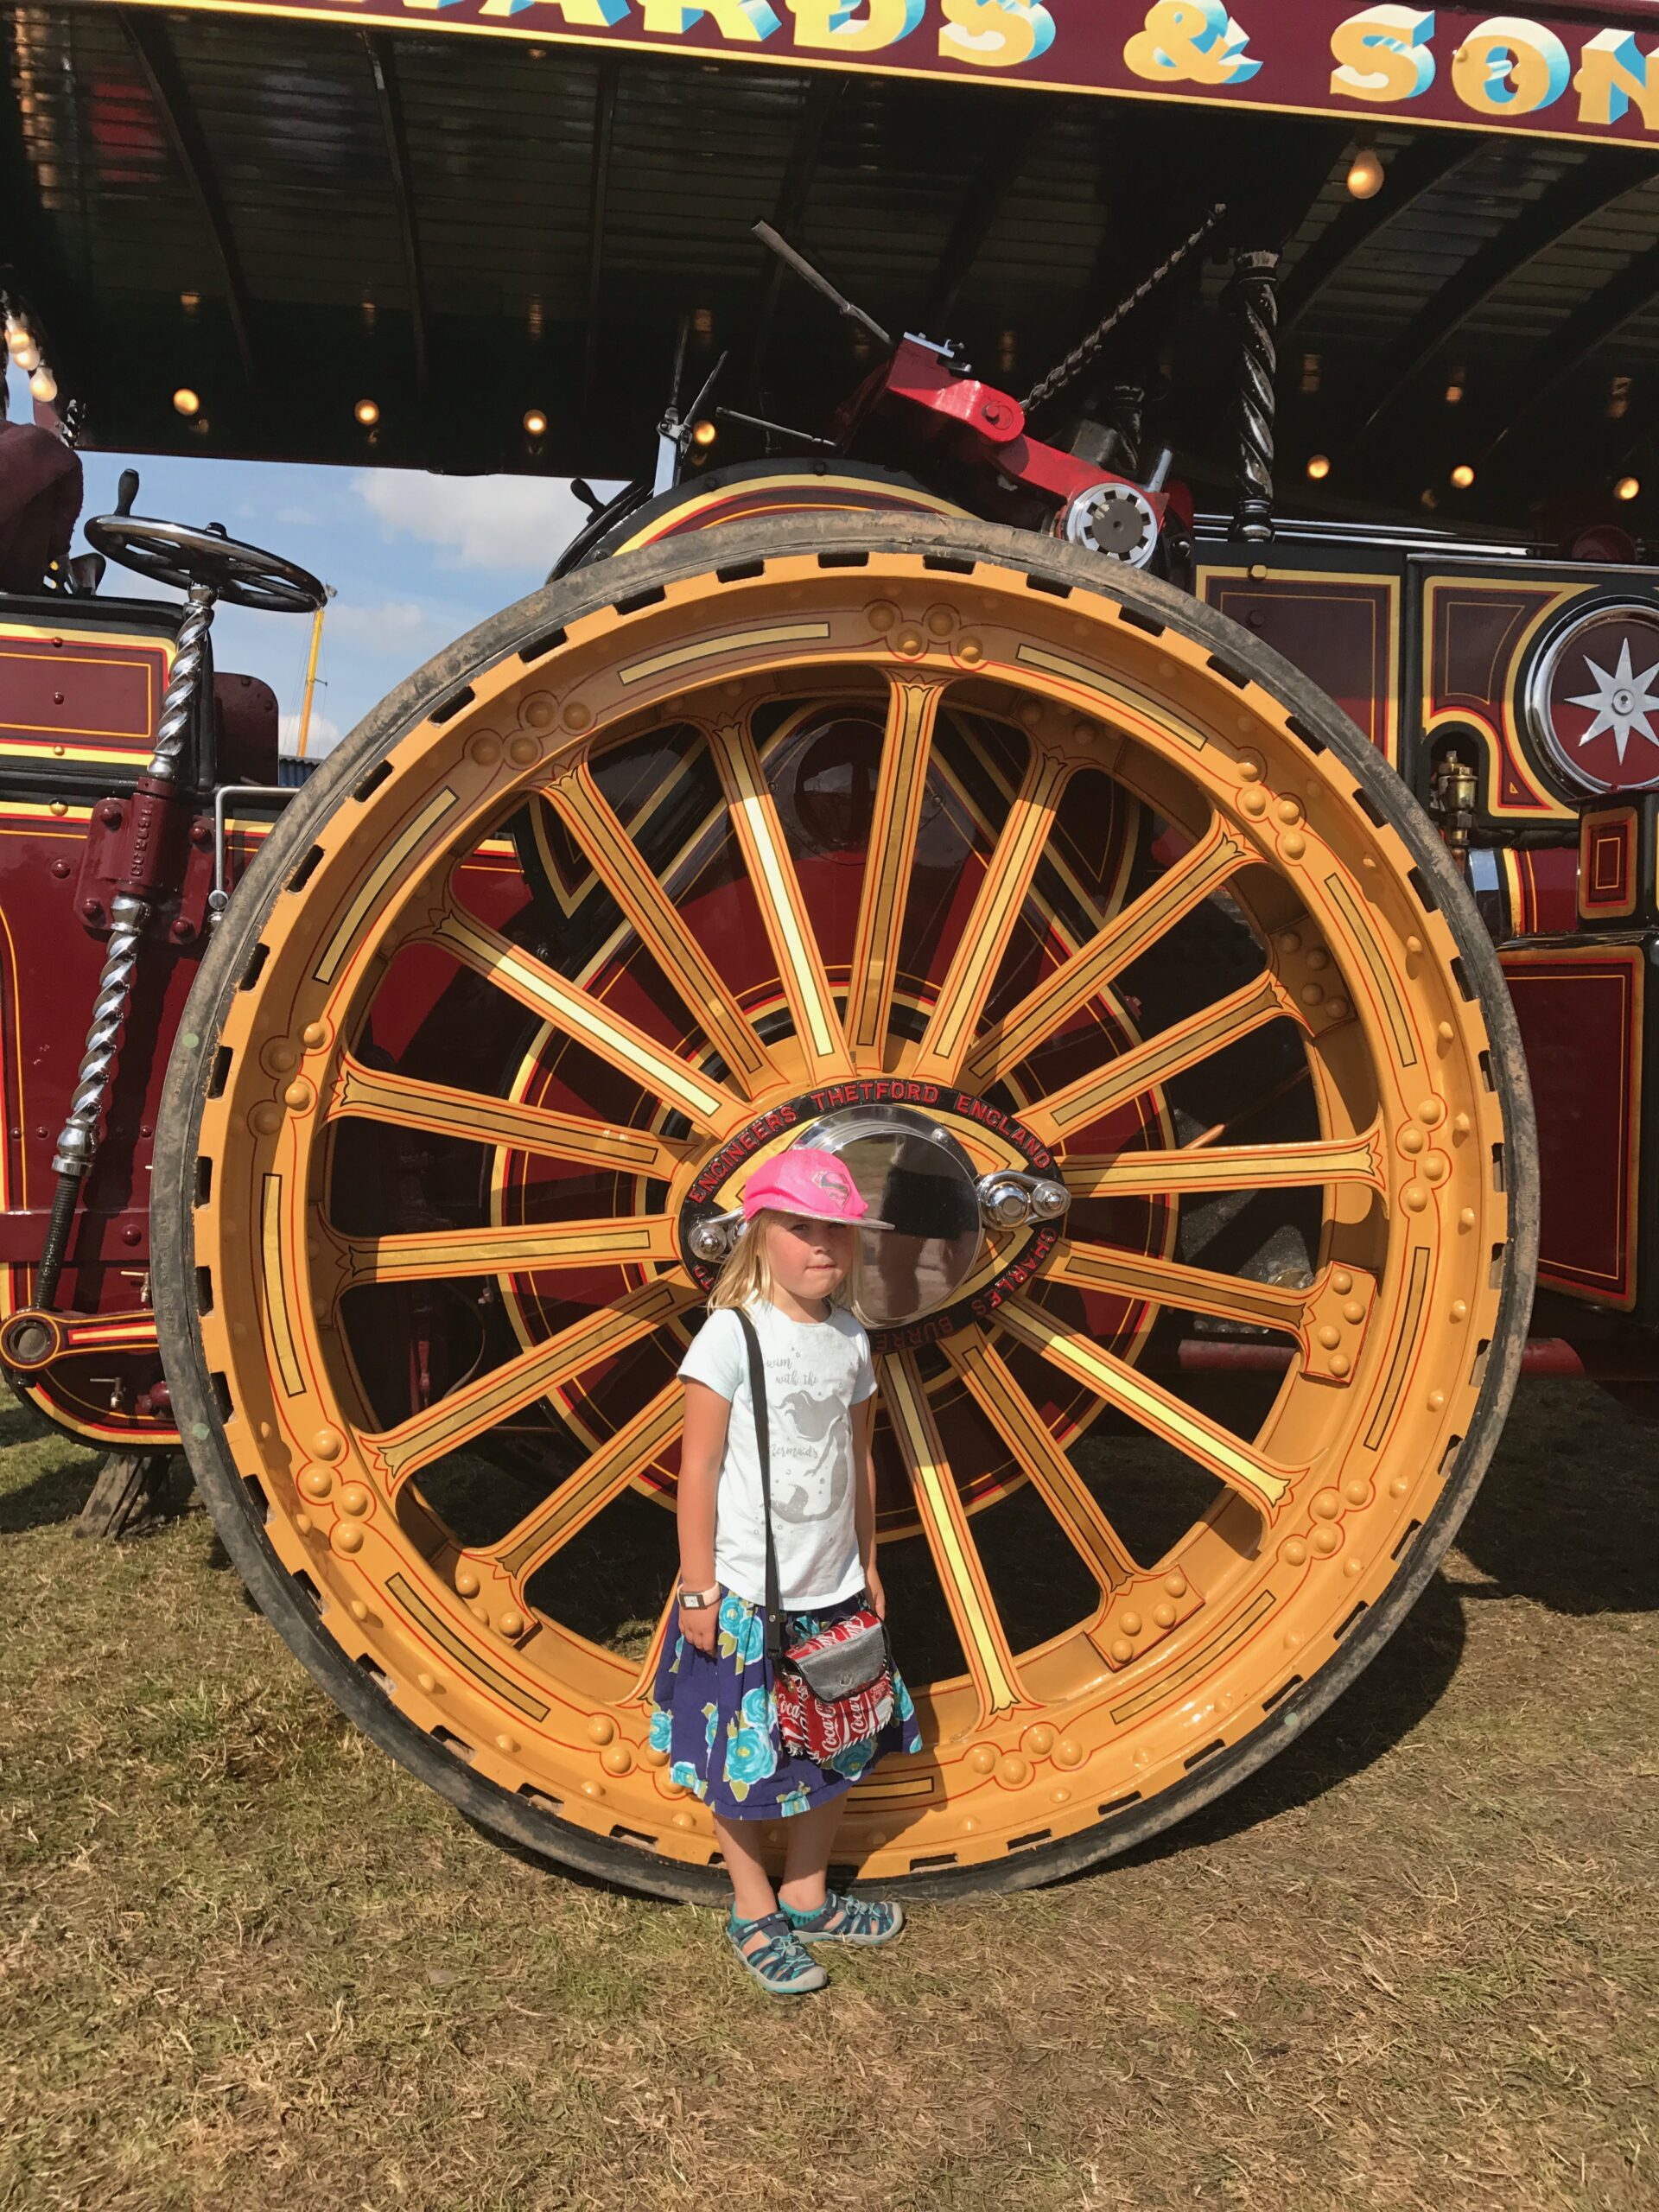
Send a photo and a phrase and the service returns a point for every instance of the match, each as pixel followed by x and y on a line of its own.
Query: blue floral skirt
pixel 714 1713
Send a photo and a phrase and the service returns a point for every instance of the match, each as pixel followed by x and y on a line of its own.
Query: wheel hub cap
pixel 967 1186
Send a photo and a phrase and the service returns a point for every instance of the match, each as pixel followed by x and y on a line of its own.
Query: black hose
pixel 57 1240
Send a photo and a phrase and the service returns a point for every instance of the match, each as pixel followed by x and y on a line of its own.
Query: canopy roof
pixel 289 215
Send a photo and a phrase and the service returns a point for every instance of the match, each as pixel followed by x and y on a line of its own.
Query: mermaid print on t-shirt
pixel 823 1422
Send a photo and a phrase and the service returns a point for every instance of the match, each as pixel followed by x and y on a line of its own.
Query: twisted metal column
pixel 130 912
pixel 78 1139
pixel 1253 293
pixel 183 682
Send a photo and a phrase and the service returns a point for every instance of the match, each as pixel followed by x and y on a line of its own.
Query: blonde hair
pixel 746 1278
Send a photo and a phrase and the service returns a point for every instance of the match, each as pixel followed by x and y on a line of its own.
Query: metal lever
pixel 803 268
pixel 219 897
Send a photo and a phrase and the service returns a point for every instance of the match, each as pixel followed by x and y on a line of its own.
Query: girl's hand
pixel 878 1596
pixel 700 1625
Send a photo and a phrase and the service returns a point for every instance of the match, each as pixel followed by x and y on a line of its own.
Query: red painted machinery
pixel 1171 913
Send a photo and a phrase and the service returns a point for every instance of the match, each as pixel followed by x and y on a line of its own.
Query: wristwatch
pixel 695 1601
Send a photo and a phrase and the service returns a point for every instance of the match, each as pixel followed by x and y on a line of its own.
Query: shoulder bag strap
pixel 763 1449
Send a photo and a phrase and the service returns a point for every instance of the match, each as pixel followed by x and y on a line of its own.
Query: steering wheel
pixel 173 553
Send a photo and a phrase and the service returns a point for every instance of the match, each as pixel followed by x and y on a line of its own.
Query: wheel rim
pixel 1112 785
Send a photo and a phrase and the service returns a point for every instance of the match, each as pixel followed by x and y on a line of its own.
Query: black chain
pixel 1064 372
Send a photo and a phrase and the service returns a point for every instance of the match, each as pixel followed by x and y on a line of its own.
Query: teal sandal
pixel 779 1964
pixel 842 1919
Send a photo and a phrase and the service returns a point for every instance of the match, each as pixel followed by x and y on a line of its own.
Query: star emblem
pixel 1622 701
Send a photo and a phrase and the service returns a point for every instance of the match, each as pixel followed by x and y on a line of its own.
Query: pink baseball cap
pixel 805 1181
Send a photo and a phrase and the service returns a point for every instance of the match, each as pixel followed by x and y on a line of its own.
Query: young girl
pixel 715 1706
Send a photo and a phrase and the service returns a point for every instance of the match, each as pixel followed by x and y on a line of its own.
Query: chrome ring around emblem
pixel 1622 701
pixel 913 1174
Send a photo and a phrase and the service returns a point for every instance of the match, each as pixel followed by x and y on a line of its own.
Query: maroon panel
pixel 1546 887
pixel 1477 631
pixel 1607 861
pixel 245 709
pixel 79 694
pixel 1580 1014
pixel 1339 631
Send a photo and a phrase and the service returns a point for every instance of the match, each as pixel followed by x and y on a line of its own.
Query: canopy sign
pixel 1587 74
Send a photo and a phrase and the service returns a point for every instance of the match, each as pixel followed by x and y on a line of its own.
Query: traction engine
pixel 903 791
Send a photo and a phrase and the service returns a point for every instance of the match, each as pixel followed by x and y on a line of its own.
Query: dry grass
pixel 248 1963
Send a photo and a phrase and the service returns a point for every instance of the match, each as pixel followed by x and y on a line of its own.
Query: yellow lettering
pixel 1191 42
pixel 746 21
pixel 994 34
pixel 1612 71
pixel 837 26
pixel 589 15
pixel 1384 54
pixel 1509 66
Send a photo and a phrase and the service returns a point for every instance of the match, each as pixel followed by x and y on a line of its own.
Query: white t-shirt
pixel 816 1371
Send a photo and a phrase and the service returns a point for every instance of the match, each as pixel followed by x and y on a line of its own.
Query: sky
pixel 415 560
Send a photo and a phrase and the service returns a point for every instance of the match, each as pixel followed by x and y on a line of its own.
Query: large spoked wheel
pixel 783 828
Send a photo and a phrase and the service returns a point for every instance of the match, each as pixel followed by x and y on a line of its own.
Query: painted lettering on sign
pixel 1191 42
pixel 1502 68
pixel 1557 74
pixel 1383 55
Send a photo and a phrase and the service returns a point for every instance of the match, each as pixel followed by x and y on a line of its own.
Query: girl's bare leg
pixel 809 1837
pixel 752 1893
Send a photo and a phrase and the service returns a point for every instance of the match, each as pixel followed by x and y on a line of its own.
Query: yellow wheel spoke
pixel 375 1097
pixel 1022 1427
pixel 534 1248
pixel 534 984
pixel 639 1690
pixel 1226 1167
pixel 961 1572
pixel 907 745
pixel 1168 1282
pixel 1121 1386
pixel 1217 856
pixel 783 908
pixel 996 909
pixel 586 1492
pixel 621 866
pixel 396 1453
pixel 1093 1096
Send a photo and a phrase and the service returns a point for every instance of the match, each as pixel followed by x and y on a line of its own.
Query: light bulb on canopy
pixel 1318 467
pixel 1463 476
pixel 186 402
pixel 1366 174
pixel 43 385
pixel 535 422
pixel 1628 487
pixel 367 413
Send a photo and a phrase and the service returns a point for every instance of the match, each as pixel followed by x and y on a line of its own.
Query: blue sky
pixel 415 560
